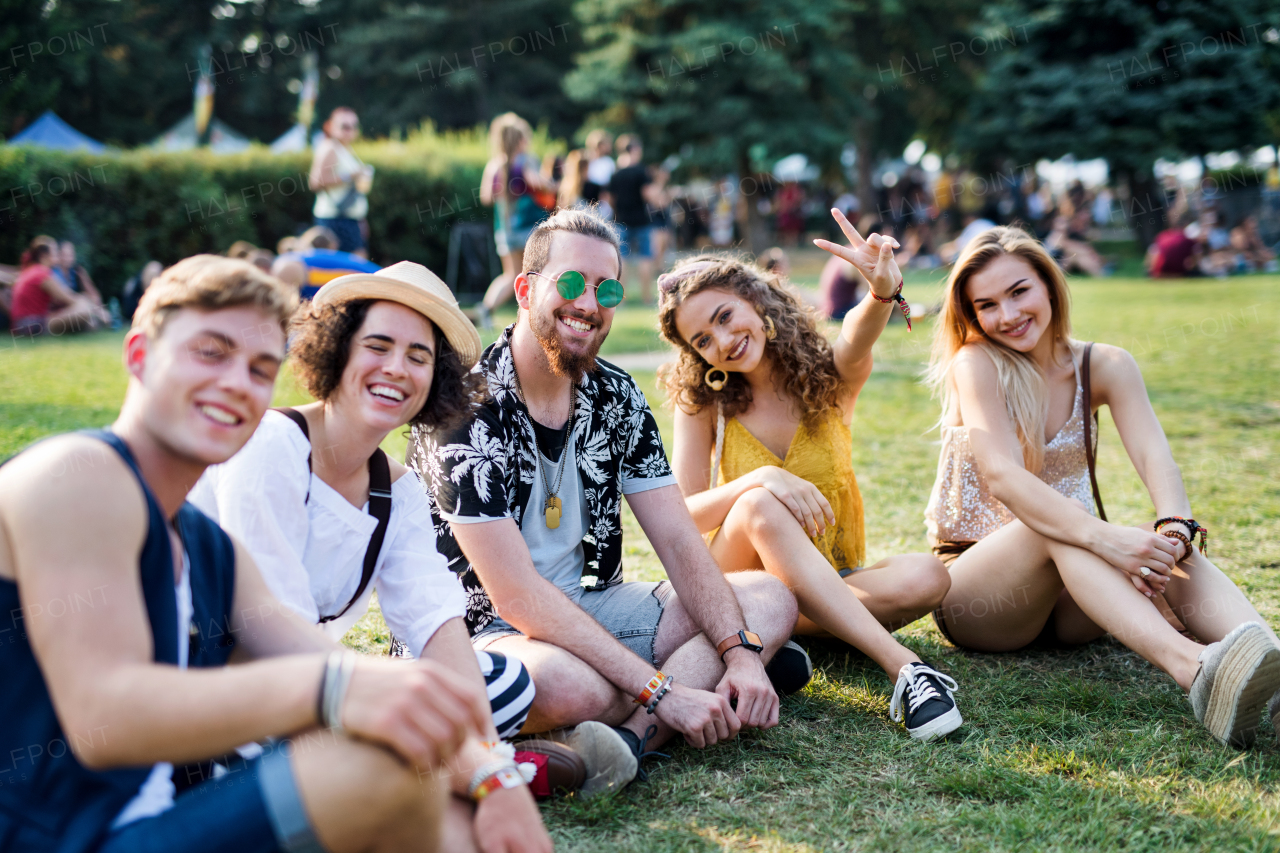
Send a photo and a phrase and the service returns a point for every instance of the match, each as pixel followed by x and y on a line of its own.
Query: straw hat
pixel 413 286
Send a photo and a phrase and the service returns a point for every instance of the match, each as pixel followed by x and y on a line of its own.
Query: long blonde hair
pixel 506 132
pixel 1021 380
pixel 575 174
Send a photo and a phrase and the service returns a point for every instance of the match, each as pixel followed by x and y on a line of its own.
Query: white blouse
pixel 311 552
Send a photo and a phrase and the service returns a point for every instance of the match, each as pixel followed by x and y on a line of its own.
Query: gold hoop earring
pixel 770 330
pixel 715 384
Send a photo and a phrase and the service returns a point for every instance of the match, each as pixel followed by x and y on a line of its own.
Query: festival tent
pixel 49 131
pixel 295 139
pixel 183 137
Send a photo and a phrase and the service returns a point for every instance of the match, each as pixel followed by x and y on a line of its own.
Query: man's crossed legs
pixel 571 692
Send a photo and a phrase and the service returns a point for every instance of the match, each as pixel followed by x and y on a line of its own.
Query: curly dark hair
pixel 801 355
pixel 320 347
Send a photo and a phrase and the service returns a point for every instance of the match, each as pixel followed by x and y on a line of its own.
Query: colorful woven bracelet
pixel 506 777
pixel 652 707
pixel 896 297
pixel 1191 525
pixel 650 688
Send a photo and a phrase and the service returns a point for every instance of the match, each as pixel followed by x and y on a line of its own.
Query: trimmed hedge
pixel 125 208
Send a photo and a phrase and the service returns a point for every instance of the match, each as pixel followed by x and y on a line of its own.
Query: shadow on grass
pixel 1089 748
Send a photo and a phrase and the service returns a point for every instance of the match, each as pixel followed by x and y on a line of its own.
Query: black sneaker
pixel 637 746
pixel 790 669
pixel 930 707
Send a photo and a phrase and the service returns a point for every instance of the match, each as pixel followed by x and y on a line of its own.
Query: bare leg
pixel 645 269
pixel 760 531
pixel 900 589
pixel 459 835
pixel 503 287
pixel 1208 603
pixel 569 691
pixel 688 656
pixel 80 316
pixel 1005 588
pixel 361 797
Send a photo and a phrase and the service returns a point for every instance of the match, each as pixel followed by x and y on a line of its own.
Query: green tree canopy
pixel 1130 81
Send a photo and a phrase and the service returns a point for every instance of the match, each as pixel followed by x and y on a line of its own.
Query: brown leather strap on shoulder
pixel 1090 451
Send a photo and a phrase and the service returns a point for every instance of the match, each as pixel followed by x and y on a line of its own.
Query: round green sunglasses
pixel 571 284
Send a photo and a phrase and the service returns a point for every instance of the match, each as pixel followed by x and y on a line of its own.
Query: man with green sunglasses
pixel 527 509
pixel 571 284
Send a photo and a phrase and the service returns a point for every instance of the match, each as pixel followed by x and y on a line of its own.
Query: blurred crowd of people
pixel 932 216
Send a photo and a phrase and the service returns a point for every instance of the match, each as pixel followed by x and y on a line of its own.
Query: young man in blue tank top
pixel 106 620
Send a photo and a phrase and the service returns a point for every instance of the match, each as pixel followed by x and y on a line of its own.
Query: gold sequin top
pixel 823 455
pixel 962 508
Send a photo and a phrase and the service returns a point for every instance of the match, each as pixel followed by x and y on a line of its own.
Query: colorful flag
pixel 310 90
pixel 204 92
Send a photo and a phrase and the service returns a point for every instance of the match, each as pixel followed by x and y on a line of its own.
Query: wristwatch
pixel 746 639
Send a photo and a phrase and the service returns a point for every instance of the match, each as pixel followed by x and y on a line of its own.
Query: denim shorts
pixel 254 807
pixel 629 611
pixel 635 241
pixel 350 239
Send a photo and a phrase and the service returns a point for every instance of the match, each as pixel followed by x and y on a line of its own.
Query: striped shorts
pixel 510 691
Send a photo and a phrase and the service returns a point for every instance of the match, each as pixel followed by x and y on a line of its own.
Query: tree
pixel 916 70
pixel 1130 81
pixel 459 64
pixel 728 85
pixel 27 85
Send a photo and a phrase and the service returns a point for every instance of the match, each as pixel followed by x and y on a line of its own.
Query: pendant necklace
pixel 552 506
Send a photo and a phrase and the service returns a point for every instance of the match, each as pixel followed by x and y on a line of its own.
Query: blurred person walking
pixel 600 169
pixel 341 182
pixel 510 179
pixel 634 193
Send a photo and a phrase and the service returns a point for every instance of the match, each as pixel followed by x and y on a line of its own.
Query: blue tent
pixel 49 131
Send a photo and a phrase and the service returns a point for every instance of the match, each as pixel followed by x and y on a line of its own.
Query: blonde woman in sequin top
pixel 787 500
pixel 1013 504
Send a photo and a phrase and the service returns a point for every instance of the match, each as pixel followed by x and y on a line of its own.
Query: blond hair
pixel 575 174
pixel 213 283
pixel 506 132
pixel 1021 380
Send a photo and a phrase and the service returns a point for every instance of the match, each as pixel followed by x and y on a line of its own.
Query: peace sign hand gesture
pixel 873 257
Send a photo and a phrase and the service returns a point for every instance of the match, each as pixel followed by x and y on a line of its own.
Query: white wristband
pixel 338 671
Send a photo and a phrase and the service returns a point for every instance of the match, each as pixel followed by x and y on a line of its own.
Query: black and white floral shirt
pixel 485 468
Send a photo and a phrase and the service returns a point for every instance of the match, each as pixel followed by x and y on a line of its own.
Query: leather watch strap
pixel 742 638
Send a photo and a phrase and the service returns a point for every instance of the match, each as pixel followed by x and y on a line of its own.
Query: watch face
pixel 752 641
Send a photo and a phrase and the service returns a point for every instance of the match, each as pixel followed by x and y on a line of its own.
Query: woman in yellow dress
pixel 763 455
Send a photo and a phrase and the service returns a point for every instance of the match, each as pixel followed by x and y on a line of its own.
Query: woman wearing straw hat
pixel 328 517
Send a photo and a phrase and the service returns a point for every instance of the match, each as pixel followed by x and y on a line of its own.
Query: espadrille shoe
pixel 1237 676
pixel 610 761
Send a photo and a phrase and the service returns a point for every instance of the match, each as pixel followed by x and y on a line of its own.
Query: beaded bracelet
pixel 650 688
pixel 1192 525
pixel 896 297
pixel 652 707
pixel 1174 534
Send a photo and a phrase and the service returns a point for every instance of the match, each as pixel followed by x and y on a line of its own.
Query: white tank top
pixel 327 200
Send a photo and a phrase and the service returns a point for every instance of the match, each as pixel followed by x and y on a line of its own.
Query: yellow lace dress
pixel 823 455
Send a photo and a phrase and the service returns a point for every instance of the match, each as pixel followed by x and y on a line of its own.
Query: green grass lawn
pixel 1084 750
